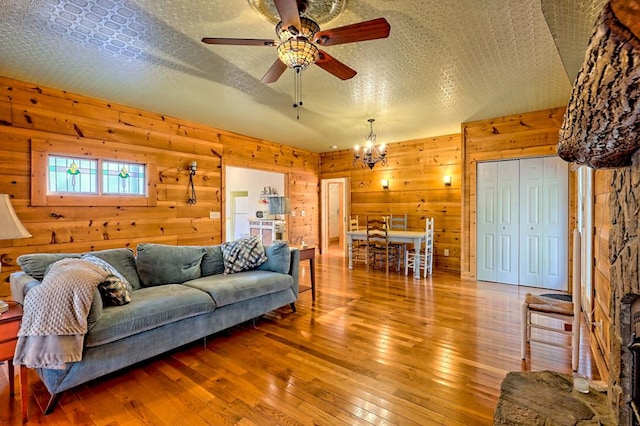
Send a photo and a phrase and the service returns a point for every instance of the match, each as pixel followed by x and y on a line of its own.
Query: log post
pixel 601 126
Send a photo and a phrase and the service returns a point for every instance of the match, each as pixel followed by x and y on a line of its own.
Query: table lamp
pixel 10 229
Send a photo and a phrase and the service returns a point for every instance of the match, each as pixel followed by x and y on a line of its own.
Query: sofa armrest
pixel 20 284
pixel 294 268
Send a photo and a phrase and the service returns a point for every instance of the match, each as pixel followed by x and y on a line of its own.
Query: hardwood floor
pixel 372 349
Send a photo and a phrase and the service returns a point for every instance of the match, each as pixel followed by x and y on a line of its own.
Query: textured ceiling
pixel 444 63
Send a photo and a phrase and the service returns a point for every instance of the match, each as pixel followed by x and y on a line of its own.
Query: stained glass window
pixel 123 178
pixel 80 176
pixel 73 175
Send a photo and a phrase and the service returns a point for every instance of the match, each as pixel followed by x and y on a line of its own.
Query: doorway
pixel 251 183
pixel 334 212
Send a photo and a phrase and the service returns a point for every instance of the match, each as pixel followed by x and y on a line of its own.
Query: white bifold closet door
pixel 497 221
pixel 544 190
pixel 522 228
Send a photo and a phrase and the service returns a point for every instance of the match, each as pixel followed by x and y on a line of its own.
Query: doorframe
pixel 345 198
pixel 224 163
pixel 584 222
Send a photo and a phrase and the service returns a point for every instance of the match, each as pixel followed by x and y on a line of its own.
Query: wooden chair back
pixel 354 225
pixel 377 232
pixel 398 222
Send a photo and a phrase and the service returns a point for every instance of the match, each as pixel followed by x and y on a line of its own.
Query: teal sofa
pixel 180 294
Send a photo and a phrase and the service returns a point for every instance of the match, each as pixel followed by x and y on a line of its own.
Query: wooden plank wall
pixel 415 171
pixel 601 335
pixel 302 182
pixel 533 134
pixel 29 111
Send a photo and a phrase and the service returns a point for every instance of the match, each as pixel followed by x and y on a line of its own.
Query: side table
pixel 310 253
pixel 9 326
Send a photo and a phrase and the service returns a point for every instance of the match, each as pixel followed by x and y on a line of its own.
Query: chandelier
pixel 371 154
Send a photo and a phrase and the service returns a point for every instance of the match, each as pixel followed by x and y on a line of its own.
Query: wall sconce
pixel 385 183
pixel 447 180
pixel 192 172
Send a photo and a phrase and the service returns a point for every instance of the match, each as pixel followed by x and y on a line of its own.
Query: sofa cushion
pixel 165 264
pixel 149 308
pixel 36 265
pixel 123 260
pixel 232 288
pixel 115 290
pixel 278 258
pixel 243 254
pixel 212 262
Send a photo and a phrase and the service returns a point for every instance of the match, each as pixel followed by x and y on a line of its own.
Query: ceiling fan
pixel 298 36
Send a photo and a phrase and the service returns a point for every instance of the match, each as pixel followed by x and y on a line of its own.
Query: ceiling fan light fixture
pixel 298 53
pixel 308 30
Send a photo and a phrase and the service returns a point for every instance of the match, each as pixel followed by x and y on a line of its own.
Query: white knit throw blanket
pixel 54 319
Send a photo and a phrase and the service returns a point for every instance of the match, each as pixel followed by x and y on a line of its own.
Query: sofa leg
pixel 46 402
pixel 293 306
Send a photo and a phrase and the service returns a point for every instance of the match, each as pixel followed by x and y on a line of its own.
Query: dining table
pixel 395 236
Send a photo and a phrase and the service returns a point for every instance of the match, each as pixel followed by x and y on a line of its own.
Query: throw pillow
pixel 164 264
pixel 243 254
pixel 114 291
pixel 278 258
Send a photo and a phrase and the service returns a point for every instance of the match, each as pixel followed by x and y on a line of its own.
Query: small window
pixel 93 173
pixel 72 175
pixel 123 178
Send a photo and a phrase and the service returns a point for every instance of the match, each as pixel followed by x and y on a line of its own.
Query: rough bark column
pixel 601 126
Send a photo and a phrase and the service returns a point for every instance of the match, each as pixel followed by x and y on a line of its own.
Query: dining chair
pixel 377 247
pixel 398 223
pixel 358 251
pixel 354 224
pixel 425 253
pixel 557 306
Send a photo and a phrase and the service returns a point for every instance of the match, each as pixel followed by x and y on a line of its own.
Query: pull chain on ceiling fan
pixel 298 36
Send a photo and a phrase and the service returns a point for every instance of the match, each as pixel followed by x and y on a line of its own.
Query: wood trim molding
pixel 41 149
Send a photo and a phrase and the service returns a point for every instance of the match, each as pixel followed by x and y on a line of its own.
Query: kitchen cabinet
pixel 268 230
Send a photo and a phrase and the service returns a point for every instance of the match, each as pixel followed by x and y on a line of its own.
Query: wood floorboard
pixel 371 350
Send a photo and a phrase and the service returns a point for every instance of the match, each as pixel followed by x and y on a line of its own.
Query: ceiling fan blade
pixel 288 12
pixel 239 41
pixel 368 30
pixel 274 72
pixel 334 66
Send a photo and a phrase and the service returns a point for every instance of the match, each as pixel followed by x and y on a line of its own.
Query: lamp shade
pixel 10 226
pixel 298 53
